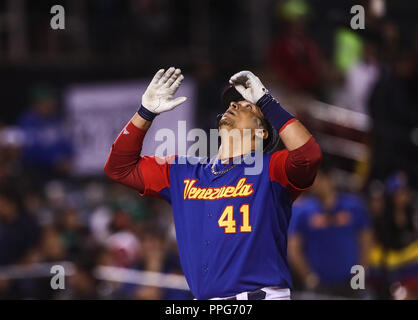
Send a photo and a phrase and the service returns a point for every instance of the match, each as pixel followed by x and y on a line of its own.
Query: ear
pixel 261 133
pixel 265 134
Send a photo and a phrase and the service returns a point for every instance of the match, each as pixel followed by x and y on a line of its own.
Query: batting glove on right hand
pixel 158 97
pixel 248 85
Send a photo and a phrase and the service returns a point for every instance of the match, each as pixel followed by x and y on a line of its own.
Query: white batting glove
pixel 158 97
pixel 248 85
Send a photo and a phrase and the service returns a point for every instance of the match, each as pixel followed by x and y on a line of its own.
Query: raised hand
pixel 248 85
pixel 158 97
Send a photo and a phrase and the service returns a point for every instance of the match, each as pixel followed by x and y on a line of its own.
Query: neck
pixel 328 199
pixel 229 149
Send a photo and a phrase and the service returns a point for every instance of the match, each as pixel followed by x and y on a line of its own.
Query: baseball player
pixel 231 228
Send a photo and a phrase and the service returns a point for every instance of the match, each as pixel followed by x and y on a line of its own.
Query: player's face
pixel 241 115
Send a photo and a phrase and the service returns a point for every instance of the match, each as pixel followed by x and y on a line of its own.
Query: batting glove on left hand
pixel 248 85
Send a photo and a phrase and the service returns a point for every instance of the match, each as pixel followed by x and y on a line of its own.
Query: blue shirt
pixel 45 140
pixel 330 238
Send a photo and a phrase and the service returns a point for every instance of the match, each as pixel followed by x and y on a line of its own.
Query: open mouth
pixel 229 111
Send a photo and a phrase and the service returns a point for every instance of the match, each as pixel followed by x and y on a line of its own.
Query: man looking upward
pixel 231 228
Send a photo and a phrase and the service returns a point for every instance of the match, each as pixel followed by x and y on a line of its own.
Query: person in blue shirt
pixel 329 233
pixel 47 149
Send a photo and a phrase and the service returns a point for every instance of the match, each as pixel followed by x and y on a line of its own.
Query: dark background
pixel 46 213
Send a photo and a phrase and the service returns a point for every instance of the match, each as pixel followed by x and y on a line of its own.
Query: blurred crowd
pixel 48 215
pixel 90 223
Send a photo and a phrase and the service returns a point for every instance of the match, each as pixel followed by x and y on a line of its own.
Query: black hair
pixel 272 141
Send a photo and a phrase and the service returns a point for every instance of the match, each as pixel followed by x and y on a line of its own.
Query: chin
pixel 225 122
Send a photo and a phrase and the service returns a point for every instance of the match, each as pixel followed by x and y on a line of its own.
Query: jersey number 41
pixel 228 222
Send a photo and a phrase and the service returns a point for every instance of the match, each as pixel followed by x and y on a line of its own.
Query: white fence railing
pixel 123 275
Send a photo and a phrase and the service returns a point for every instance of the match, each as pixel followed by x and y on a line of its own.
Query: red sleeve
pixel 155 172
pixel 296 170
pixel 148 175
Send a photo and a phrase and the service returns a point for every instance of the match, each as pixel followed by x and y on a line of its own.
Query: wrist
pixel 274 112
pixel 264 100
pixel 140 123
pixel 146 114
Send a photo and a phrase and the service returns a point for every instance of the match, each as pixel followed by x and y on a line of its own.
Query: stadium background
pixel 65 94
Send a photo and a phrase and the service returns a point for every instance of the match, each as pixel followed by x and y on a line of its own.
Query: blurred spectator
pixel 408 71
pixel 159 256
pixel 46 148
pixel 396 227
pixel 329 233
pixel 82 284
pixel 73 232
pixel 152 259
pixel 52 246
pixel 294 56
pixel 389 109
pixel 394 259
pixel 10 168
pixel 19 232
pixel 348 49
pixel 124 249
pixel 360 80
